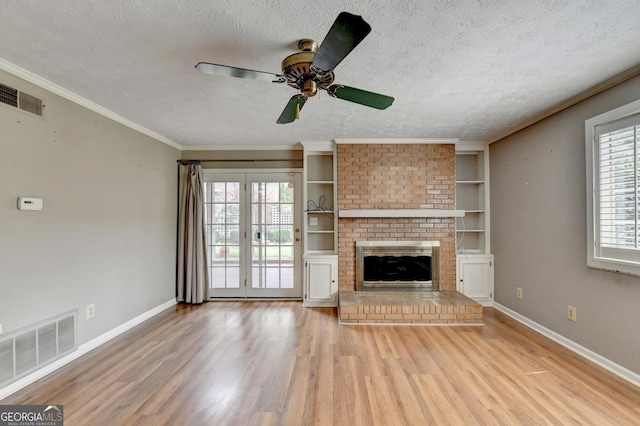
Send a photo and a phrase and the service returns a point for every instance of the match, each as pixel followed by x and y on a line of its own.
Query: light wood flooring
pixel 277 363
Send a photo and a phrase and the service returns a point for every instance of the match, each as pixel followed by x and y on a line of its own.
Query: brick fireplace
pixel 396 176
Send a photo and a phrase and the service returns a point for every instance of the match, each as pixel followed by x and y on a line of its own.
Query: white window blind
pixel 619 188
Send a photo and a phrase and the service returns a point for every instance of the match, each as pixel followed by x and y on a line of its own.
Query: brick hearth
pixel 408 307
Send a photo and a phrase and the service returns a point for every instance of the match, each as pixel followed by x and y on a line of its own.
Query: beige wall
pixel 246 159
pixel 538 220
pixel 106 234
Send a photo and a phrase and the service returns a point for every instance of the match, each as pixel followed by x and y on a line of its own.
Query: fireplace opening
pixel 397 268
pixel 397 265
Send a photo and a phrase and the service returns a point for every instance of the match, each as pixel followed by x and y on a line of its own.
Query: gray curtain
pixel 193 274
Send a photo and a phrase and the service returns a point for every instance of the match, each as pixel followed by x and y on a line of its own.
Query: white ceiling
pixel 457 68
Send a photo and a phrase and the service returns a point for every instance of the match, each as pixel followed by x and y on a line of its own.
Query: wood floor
pixel 276 363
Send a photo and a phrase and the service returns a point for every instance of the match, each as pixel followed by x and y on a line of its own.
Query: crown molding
pixel 69 95
pixel 599 88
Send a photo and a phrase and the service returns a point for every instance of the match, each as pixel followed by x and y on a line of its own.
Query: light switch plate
pixel 30 203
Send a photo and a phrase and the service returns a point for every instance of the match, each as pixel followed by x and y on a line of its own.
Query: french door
pixel 253 237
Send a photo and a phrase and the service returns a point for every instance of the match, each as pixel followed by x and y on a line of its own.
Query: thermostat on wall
pixel 29 203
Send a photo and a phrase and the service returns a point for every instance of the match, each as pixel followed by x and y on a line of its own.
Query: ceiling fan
pixel 312 68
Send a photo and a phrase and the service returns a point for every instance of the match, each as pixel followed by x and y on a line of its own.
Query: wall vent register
pixel 21 100
pixel 30 348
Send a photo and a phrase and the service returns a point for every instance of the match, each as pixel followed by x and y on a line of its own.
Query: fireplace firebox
pixel 397 265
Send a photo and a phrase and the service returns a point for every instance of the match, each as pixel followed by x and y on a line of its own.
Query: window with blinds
pixel 613 190
pixel 619 188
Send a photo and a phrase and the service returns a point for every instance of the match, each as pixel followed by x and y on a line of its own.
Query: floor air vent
pixel 30 348
pixel 24 101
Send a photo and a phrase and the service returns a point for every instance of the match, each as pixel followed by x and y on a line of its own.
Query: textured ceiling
pixel 457 68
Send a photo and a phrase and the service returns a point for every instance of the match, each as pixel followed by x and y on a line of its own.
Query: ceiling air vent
pixel 21 100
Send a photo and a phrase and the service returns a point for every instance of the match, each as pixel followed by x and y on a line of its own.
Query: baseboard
pixel 82 350
pixel 598 359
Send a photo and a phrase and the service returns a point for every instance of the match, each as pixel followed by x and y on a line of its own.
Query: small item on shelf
pixel 319 207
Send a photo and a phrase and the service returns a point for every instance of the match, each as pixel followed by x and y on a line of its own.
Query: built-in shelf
pixel 472 173
pixel 400 213
pixel 320 225
pixel 320 222
pixel 312 253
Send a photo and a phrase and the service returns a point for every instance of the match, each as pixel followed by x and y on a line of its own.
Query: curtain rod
pixel 234 161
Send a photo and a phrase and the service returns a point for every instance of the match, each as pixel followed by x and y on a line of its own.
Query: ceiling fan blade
pixel 359 96
pixel 292 110
pixel 227 71
pixel 345 34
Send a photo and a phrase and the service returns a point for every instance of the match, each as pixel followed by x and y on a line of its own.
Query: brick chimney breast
pixel 396 176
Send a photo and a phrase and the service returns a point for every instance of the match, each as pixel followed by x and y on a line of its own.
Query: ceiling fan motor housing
pixel 301 75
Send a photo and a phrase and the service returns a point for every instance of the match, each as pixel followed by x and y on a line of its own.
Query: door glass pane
pixel 273 277
pixel 222 219
pixel 286 277
pixel 272 227
pixel 233 192
pixel 273 192
pixel 219 191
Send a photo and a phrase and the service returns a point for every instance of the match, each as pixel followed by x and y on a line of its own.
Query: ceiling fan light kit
pixel 312 68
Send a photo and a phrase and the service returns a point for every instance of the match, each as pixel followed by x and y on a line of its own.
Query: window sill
pixel 617 266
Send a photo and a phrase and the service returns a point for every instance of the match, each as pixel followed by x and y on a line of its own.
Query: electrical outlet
pixel 0 328
pixel 519 293
pixel 572 313
pixel 91 310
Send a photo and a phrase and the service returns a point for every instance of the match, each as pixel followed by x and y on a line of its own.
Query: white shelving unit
pixel 472 195
pixel 320 224
pixel 474 261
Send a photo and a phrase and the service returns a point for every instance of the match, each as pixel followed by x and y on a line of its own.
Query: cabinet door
pixel 321 284
pixel 476 277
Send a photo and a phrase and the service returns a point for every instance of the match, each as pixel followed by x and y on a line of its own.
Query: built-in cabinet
pixel 321 280
pixel 475 277
pixel 474 261
pixel 320 224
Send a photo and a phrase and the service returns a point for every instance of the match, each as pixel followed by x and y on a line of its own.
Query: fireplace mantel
pixel 399 213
